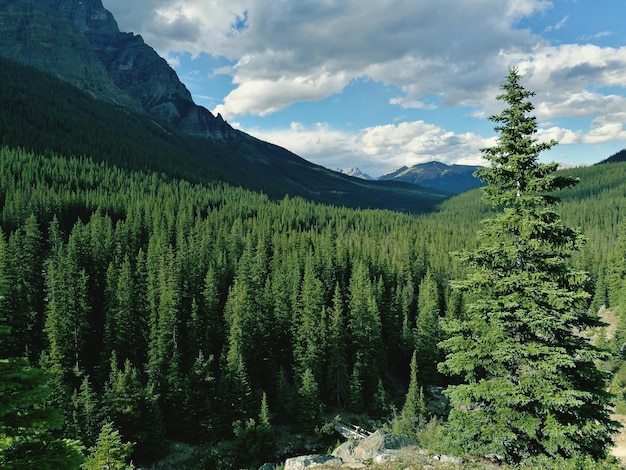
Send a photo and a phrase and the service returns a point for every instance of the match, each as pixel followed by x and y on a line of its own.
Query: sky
pixel 377 84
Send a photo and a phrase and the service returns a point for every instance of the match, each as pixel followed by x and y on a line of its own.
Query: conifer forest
pixel 140 308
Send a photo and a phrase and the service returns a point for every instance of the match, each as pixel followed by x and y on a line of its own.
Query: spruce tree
pixel 427 334
pixel 414 410
pixel 109 451
pixel 27 421
pixel 532 389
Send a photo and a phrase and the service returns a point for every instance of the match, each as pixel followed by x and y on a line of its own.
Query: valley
pixel 190 296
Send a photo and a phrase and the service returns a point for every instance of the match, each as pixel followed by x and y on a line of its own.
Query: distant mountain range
pixel 79 43
pixel 449 178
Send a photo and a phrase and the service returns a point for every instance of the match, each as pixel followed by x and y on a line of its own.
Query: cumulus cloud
pixel 448 47
pixel 436 54
pixel 262 97
pixel 380 148
pixel 305 50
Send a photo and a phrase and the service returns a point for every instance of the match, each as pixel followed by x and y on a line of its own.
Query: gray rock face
pixel 378 445
pixel 306 461
pixel 79 42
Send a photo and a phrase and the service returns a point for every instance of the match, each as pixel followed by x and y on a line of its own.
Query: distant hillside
pixel 450 178
pixel 41 113
pixel 80 44
pixel 615 158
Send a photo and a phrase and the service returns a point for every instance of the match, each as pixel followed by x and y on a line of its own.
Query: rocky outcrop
pixel 79 42
pixel 377 444
pixel 310 461
pixel 376 449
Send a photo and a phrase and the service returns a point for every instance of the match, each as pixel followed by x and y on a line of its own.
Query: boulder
pixel 311 461
pixel 377 446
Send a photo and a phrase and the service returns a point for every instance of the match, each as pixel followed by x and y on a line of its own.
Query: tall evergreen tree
pixel 427 334
pixel 531 388
pixel 26 420
pixel 414 410
pixel 309 334
pixel 337 360
pixel 364 328
pixel 109 452
pixel 22 309
pixel 309 403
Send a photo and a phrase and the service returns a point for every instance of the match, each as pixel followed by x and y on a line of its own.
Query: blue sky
pixel 378 84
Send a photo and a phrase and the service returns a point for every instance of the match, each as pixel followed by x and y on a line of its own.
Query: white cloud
pixel 560 135
pixel 559 25
pixel 606 129
pixel 442 53
pixel 262 97
pixel 377 149
pixel 448 47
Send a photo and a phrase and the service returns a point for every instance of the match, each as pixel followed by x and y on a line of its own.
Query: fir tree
pixel 414 409
pixel 338 379
pixel 427 334
pixel 531 386
pixel 26 421
pixel 309 403
pixel 109 452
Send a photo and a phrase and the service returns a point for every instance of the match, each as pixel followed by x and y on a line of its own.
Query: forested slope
pixel 170 308
pixel 42 114
pixel 174 306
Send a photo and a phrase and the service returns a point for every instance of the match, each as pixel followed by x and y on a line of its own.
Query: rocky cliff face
pixel 79 41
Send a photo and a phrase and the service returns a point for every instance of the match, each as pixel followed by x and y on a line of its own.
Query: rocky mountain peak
pixel 87 15
pixel 79 42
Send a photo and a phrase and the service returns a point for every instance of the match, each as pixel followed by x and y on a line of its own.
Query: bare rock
pixel 379 446
pixel 310 461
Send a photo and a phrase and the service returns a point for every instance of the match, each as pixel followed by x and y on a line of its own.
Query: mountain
pixel 450 178
pixel 615 158
pixel 127 105
pixel 355 172
pixel 80 42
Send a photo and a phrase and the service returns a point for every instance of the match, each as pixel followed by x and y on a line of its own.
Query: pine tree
pixel 309 334
pixel 22 308
pixel 364 329
pixel 26 420
pixel 134 409
pixel 109 451
pixel 427 334
pixel 309 403
pixel 531 388
pixel 84 423
pixel 337 360
pixel 414 409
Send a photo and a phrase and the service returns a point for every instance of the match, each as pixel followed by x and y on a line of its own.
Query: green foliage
pixel 109 451
pixel 531 384
pixel 427 334
pixel 254 440
pixel 309 403
pixel 414 412
pixel 214 293
pixel 26 422
pixel 133 408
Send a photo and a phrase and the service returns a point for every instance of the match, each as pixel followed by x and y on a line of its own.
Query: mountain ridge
pixel 41 113
pixel 437 175
pixel 79 43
